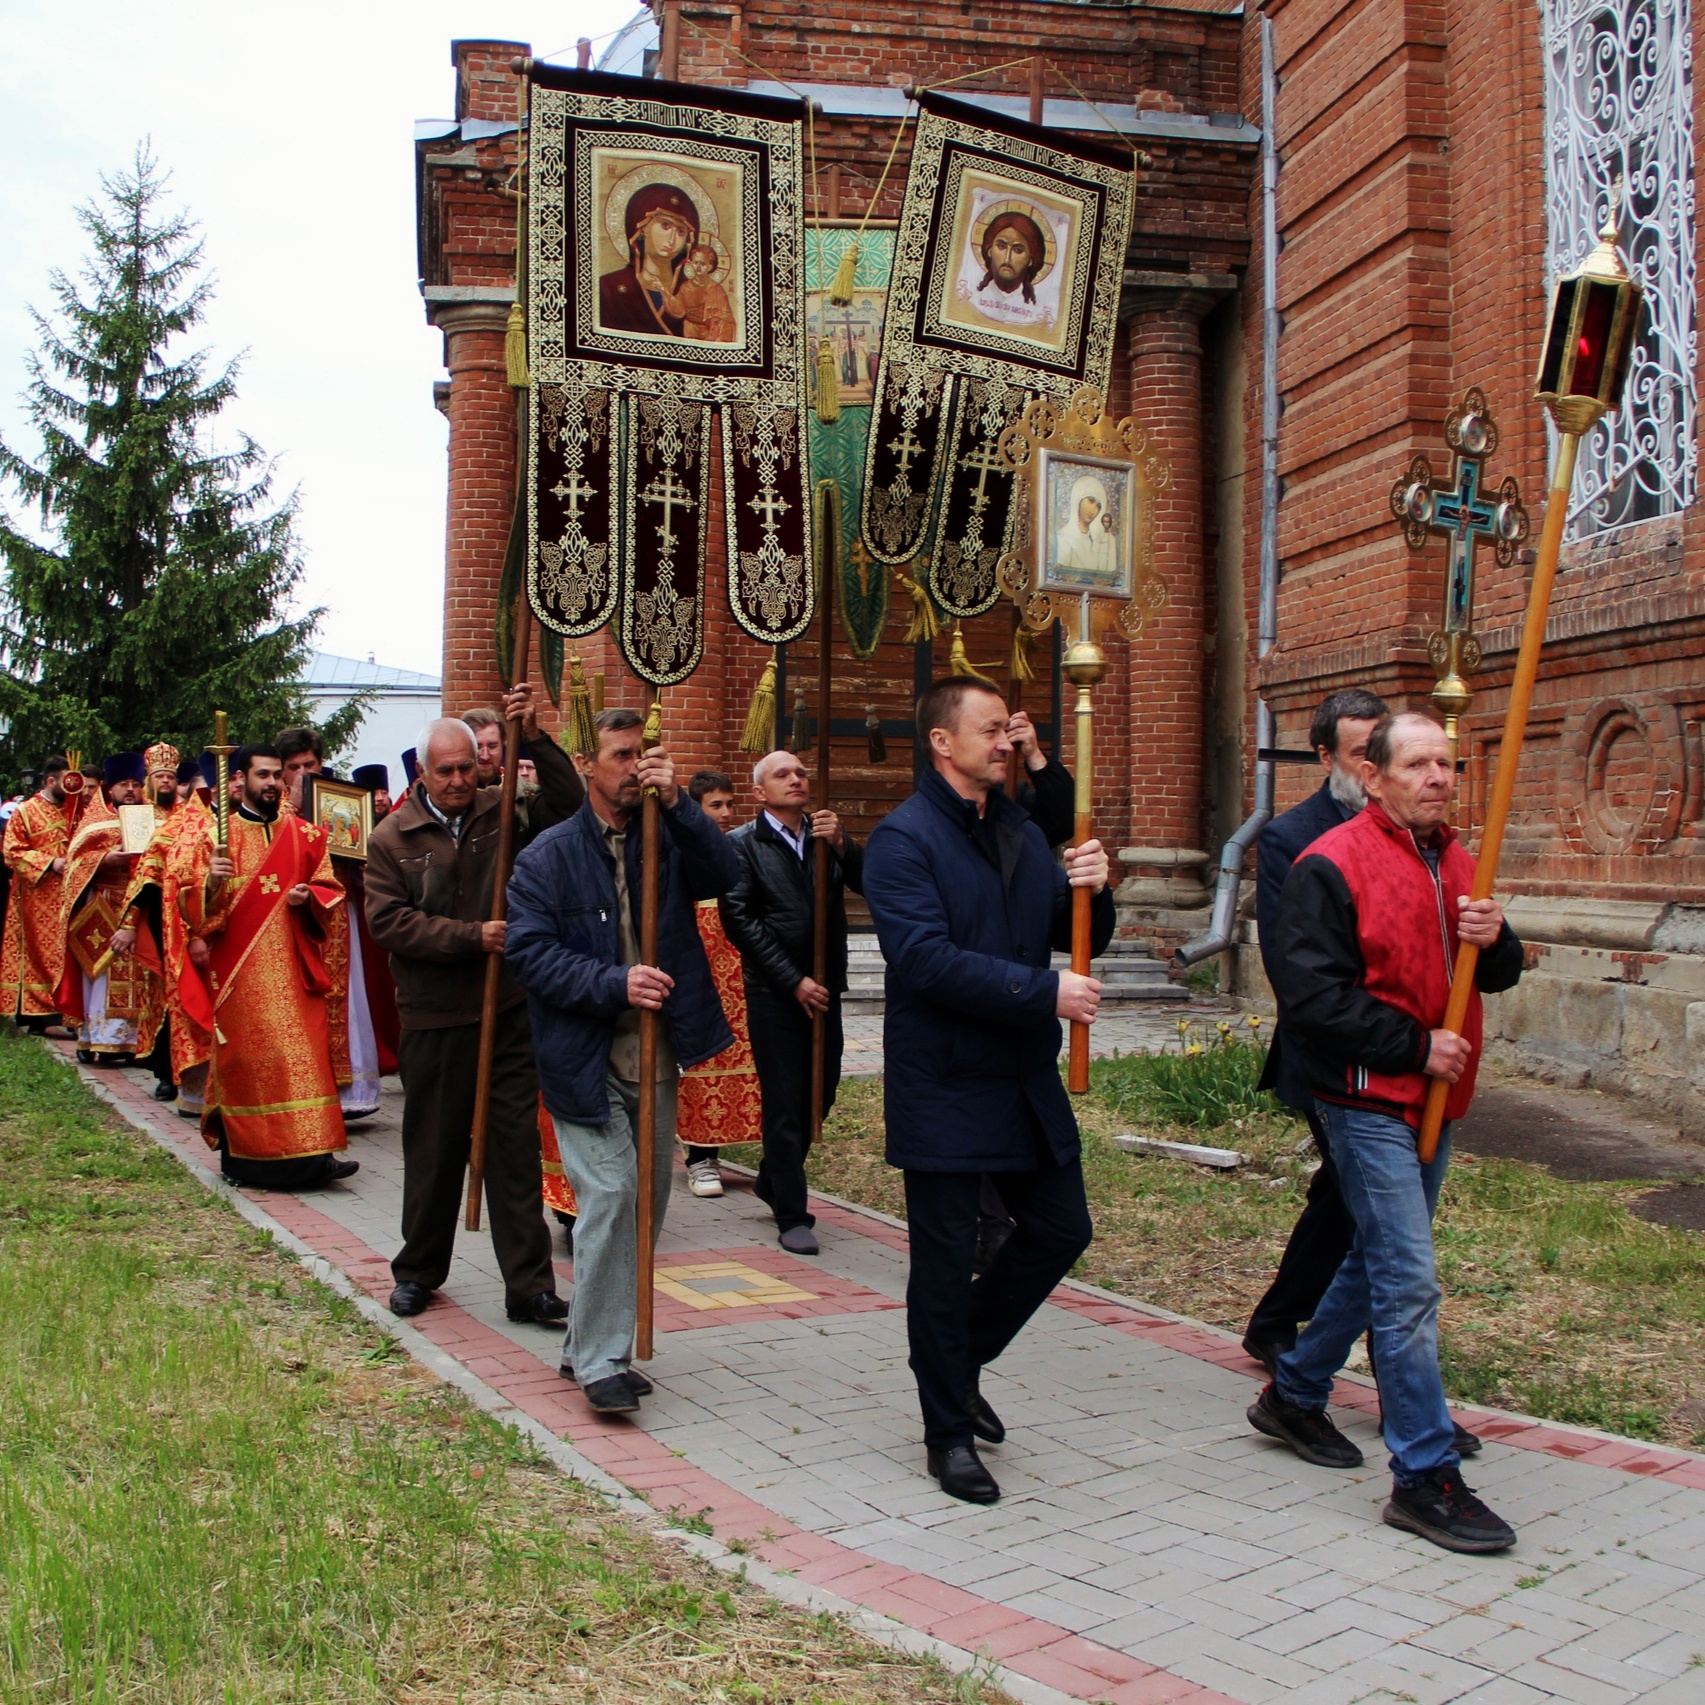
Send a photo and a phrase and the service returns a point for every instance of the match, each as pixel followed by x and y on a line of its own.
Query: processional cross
pixel 1465 517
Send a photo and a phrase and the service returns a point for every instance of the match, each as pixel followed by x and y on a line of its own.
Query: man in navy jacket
pixel 969 905
pixel 1324 1231
pixel 573 944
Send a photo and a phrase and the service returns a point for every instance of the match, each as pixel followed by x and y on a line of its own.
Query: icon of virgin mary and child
pixel 669 286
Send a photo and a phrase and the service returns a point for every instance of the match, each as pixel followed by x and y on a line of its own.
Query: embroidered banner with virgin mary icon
pixel 1007 268
pixel 667 361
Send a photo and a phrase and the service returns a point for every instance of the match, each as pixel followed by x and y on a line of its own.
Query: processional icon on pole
pixel 1084 487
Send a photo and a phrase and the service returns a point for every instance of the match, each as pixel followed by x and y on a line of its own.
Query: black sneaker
pixel 611 1395
pixel 1443 1508
pixel 1309 1432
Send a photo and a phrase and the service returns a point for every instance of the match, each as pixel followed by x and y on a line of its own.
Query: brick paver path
pixel 1149 1546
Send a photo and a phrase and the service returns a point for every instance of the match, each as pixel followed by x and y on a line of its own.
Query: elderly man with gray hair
pixel 430 872
pixel 770 916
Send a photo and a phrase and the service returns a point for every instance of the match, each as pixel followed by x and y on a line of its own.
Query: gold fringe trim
pixel 1021 670
pixel 582 733
pixel 924 626
pixel 760 731
pixel 828 383
pixel 841 286
pixel 515 346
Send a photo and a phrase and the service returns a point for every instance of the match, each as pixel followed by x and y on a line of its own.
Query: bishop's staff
pixel 1086 486
pixel 221 750
pixel 1589 338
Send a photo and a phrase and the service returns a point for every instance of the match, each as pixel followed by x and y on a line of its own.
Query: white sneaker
pixel 704 1178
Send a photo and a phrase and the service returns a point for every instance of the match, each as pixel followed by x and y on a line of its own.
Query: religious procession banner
pixel 849 336
pixel 666 343
pixel 1007 268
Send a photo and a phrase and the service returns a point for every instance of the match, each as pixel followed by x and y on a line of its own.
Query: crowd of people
pixel 270 982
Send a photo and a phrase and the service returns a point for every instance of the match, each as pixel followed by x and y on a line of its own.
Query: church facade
pixel 1345 216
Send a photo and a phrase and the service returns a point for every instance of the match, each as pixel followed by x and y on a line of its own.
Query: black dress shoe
pixel 409 1298
pixel 962 1475
pixel 165 1091
pixel 545 1309
pixel 985 1423
pixel 638 1384
pixel 611 1396
pixel 336 1169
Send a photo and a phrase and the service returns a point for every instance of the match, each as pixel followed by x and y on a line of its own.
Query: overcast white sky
pixel 288 132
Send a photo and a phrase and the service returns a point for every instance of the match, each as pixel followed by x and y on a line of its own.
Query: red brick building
pixel 1428 160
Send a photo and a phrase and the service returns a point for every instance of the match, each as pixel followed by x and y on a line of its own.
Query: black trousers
pixel 956 1325
pixel 439 1068
pixel 1318 1244
pixel 781 1049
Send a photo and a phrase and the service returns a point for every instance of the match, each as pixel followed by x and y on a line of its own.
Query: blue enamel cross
pixel 1467 518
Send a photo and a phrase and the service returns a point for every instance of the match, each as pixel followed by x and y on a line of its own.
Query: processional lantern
pixel 1466 516
pixel 1083 536
pixel 1589 338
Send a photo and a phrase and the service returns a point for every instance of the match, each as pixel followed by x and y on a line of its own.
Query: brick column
pixel 1168 691
pixel 481 408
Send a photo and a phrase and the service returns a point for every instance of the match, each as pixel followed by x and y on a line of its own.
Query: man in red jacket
pixel 1367 935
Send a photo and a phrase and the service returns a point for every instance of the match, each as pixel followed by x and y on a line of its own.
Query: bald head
pixel 1408 770
pixel 782 785
pixel 449 764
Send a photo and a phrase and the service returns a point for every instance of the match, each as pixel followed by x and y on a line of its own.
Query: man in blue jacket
pixel 969 906
pixel 573 944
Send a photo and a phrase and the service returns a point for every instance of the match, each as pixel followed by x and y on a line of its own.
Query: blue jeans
pixel 1386 1282
pixel 602 1164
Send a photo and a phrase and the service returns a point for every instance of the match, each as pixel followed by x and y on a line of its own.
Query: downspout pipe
pixel 1222 921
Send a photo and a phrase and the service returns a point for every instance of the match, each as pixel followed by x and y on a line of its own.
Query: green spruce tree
pixel 156 586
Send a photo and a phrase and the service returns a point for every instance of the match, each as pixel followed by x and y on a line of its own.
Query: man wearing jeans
pixel 573 944
pixel 1368 929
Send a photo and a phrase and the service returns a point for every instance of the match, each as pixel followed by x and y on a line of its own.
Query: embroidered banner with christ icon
pixel 1007 267
pixel 667 356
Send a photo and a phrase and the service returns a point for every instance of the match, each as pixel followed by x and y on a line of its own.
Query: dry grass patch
pixel 1559 1302
pixel 220 1483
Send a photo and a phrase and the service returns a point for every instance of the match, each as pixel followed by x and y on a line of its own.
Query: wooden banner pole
pixel 645 1135
pixel 1509 757
pixel 820 848
pixel 499 911
pixel 1085 665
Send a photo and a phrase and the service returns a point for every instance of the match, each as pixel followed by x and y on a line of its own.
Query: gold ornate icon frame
pixel 1084 432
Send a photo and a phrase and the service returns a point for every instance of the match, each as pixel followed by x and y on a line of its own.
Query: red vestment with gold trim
pixel 271 1092
pixel 32 953
pixel 720 1102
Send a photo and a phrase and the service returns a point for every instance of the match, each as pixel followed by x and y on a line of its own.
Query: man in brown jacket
pixel 430 869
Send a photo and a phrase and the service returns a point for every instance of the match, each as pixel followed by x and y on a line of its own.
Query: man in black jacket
pixel 1324 1232
pixel 770 915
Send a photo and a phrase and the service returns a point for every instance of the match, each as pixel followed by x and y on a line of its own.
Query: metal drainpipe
pixel 1222 922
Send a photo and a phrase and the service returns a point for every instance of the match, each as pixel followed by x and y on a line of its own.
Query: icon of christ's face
pixel 1009 258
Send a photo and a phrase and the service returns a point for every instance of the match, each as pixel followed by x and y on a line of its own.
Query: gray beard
pixel 1346 789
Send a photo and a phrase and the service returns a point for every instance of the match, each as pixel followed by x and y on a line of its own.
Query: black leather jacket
pixel 768 913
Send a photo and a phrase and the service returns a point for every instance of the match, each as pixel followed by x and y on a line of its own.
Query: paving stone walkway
pixel 1149 1547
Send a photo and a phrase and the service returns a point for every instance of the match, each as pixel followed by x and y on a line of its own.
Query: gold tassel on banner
pixel 582 735
pixel 876 747
pixel 958 662
pixel 515 346
pixel 760 731
pixel 828 384
pixel 841 286
pixel 801 738
pixel 1021 670
pixel 924 626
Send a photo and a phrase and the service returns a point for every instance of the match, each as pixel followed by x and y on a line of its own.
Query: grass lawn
pixel 219 1483
pixel 1558 1301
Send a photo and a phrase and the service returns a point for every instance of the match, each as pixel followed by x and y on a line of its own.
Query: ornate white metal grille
pixel 1619 105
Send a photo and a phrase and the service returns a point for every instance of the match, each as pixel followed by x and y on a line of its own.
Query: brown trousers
pixel 439 1068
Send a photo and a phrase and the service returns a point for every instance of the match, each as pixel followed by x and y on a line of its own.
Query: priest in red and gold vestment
pixel 32 953
pixel 264 909
pixel 112 990
pixel 153 918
